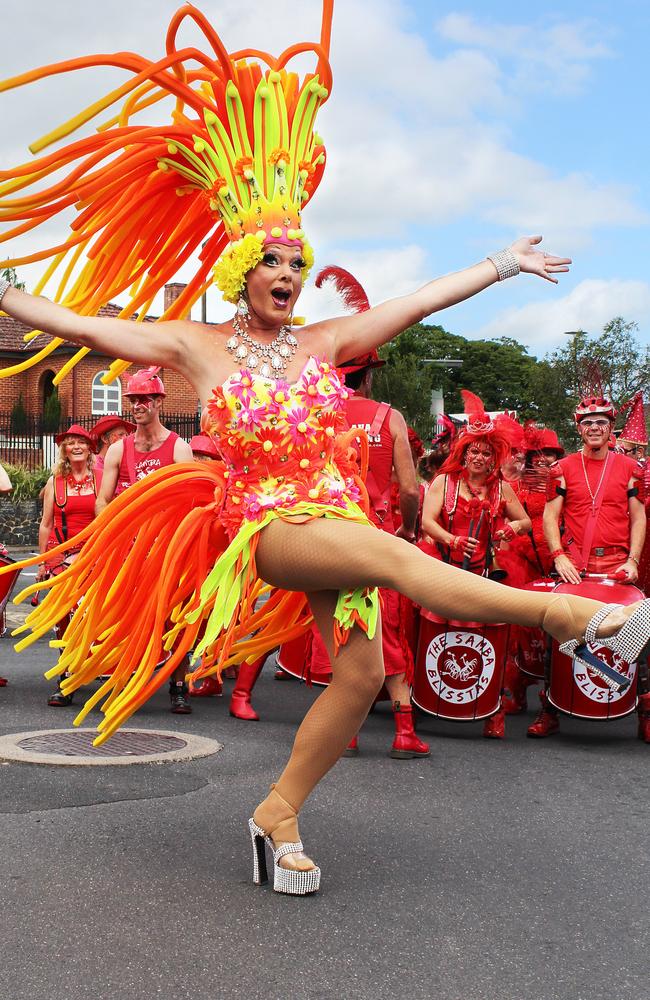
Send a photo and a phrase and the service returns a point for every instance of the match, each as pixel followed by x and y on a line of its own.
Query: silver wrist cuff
pixel 4 285
pixel 506 263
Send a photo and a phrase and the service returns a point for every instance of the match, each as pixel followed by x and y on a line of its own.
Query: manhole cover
pixel 128 746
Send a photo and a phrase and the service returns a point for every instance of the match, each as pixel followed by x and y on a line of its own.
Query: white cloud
pixel 556 57
pixel 414 139
pixel 589 306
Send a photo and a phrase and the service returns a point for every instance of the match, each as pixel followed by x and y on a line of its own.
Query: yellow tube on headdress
pixel 236 164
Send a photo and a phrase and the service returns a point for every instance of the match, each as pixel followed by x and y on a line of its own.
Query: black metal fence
pixel 30 441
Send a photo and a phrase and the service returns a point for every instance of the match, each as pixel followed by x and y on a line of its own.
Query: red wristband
pixel 557 552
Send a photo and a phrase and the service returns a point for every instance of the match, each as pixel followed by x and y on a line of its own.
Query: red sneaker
pixel 494 728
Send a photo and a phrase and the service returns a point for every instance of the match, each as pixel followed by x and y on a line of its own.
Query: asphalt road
pixel 489 871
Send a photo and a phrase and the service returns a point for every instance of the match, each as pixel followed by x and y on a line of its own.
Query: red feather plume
pixel 472 403
pixel 346 285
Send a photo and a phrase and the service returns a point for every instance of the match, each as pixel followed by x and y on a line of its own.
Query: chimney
pixel 172 291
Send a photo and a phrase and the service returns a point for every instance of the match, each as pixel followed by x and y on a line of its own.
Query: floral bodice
pixel 282 444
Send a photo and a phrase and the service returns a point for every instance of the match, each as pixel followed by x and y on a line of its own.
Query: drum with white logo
pixel 459 669
pixel 531 642
pixel 576 689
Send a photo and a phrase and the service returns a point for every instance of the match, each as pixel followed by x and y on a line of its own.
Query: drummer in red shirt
pixel 597 494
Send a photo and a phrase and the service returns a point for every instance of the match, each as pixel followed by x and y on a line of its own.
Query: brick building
pixel 81 393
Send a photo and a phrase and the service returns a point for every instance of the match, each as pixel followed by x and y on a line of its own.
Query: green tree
pixel 9 274
pixel 18 419
pixel 52 413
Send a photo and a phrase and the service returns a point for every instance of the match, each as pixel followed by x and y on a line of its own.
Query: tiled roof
pixel 12 332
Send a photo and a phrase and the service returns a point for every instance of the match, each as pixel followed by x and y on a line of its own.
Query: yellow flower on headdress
pixel 236 163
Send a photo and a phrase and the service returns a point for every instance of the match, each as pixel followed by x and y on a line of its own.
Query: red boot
pixel 352 749
pixel 3 682
pixel 514 695
pixel 240 702
pixel 406 744
pixel 494 728
pixel 643 710
pixel 546 722
pixel 207 687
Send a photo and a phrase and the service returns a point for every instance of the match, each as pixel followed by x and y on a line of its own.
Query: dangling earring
pixel 242 308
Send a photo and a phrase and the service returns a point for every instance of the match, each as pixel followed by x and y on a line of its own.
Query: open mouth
pixel 280 297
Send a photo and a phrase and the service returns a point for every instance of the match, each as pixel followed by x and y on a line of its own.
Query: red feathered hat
pixel 502 434
pixel 635 428
pixel 592 406
pixel 541 438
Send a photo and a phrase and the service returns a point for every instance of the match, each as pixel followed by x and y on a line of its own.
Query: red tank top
pixel 138 464
pixel 613 523
pixel 72 512
pixel 374 419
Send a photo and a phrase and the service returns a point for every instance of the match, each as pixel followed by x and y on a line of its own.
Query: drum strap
pixel 593 518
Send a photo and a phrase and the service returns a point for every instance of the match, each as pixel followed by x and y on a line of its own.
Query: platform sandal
pixel 631 642
pixel 288 880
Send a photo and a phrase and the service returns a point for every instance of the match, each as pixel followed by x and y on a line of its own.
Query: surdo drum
pixel 574 688
pixel 531 642
pixel 459 668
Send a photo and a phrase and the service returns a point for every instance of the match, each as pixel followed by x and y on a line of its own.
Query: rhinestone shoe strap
pixel 598 618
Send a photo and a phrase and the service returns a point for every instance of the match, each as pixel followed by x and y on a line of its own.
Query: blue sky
pixel 451 130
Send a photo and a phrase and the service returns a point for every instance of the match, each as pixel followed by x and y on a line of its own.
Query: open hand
pixel 536 261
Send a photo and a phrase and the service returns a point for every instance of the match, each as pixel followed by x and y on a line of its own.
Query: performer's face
pixel 76 449
pixel 116 434
pixel 595 431
pixel 479 458
pixel 274 284
pixel 544 459
pixel 145 408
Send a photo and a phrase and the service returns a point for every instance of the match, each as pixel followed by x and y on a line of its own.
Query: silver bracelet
pixel 4 285
pixel 506 263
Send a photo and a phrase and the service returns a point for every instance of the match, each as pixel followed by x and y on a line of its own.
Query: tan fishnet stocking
pixel 324 556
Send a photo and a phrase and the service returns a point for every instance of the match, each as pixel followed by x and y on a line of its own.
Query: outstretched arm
pixel 143 343
pixel 354 335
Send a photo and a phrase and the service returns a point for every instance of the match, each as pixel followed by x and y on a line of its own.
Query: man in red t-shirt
pixel 135 456
pixel 598 496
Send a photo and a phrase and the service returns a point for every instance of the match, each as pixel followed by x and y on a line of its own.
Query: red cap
pixel 108 423
pixel 204 445
pixel 369 360
pixel 146 382
pixel 76 430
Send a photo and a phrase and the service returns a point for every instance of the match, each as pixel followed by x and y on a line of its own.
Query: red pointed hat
pixel 76 430
pixel 635 427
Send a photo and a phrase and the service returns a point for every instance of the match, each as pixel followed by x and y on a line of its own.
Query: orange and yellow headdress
pixel 230 171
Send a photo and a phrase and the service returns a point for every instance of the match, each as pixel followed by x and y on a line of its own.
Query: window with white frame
pixel 106 398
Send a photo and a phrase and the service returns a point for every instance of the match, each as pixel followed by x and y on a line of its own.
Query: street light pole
pixel 437 395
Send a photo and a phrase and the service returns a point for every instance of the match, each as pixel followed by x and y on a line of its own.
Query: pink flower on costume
pixel 309 390
pixel 299 428
pixel 278 397
pixel 241 385
pixel 251 416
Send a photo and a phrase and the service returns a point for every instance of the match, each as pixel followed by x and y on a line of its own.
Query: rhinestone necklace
pixel 271 359
pixel 600 481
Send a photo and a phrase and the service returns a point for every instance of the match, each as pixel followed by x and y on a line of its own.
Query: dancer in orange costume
pixel 233 170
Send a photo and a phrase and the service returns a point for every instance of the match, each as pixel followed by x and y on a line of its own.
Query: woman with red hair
pixel 468 506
